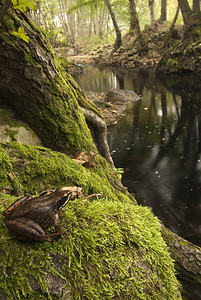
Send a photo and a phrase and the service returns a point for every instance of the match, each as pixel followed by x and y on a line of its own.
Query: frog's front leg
pixel 26 229
pixel 56 224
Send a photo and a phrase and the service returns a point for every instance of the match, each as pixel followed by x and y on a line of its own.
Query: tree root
pixel 98 130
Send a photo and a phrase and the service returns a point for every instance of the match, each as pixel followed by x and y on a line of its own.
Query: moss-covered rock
pixel 111 247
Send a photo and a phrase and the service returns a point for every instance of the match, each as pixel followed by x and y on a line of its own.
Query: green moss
pixel 43 169
pixel 6 168
pixel 99 250
pixel 64 62
pixel 11 22
pixel 7 117
pixel 7 38
pixel 172 63
pixel 12 134
pixel 29 58
pixel 104 238
pixel 61 117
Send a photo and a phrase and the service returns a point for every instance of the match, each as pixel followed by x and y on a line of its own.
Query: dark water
pixel 158 143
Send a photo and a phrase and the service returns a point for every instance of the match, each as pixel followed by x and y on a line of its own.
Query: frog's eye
pixel 63 201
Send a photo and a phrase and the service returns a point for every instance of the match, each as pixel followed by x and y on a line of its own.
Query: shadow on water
pixel 158 144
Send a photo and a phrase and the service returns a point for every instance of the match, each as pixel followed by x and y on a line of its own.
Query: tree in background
pixel 163 16
pixel 151 7
pixel 118 41
pixel 67 21
pixel 191 16
pixel 135 25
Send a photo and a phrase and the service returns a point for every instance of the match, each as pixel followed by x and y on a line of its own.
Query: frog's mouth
pixel 64 200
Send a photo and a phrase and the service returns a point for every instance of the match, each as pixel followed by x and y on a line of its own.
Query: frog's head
pixel 66 194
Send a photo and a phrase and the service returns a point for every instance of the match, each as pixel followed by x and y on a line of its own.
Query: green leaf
pixel 21 34
pixel 23 4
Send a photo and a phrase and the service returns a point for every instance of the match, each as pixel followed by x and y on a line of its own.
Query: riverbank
pixel 167 50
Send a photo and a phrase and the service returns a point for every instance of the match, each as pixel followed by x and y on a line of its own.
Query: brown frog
pixel 29 216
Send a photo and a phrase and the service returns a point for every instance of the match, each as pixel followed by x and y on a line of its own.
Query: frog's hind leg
pixel 26 230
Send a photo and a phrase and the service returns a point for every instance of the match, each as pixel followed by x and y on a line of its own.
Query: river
pixel 158 144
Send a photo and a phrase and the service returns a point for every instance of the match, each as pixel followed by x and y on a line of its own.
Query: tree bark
pixel 186 255
pixel 135 25
pixel 151 7
pixel 186 11
pixel 175 19
pixel 33 66
pixel 118 41
pixel 196 8
pixel 163 16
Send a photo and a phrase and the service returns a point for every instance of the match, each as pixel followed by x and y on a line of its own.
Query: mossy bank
pixel 111 247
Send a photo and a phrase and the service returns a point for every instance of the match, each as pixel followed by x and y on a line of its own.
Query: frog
pixel 28 217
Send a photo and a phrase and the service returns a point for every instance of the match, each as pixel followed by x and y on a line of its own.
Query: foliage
pixel 171 63
pixel 21 34
pixel 72 20
pixel 23 4
pixel 119 171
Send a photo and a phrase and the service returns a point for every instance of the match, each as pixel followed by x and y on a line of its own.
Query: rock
pixel 113 104
pixel 12 129
pixel 117 95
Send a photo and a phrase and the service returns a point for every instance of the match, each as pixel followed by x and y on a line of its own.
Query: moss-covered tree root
pixel 111 247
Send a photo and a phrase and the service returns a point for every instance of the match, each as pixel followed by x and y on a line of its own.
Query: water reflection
pixel 158 144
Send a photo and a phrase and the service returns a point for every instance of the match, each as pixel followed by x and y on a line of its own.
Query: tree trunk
pixel 184 55
pixel 118 41
pixel 163 16
pixel 186 11
pixel 175 19
pixel 134 21
pixel 61 13
pixel 135 25
pixel 38 76
pixel 196 8
pixel 151 7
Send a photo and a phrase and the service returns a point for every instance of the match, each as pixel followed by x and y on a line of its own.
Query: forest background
pixel 68 22
pixel 162 34
pixel 35 86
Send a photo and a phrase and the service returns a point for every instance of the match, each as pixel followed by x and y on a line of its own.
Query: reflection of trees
pixel 186 130
pixel 164 118
pixel 176 104
pixel 162 166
